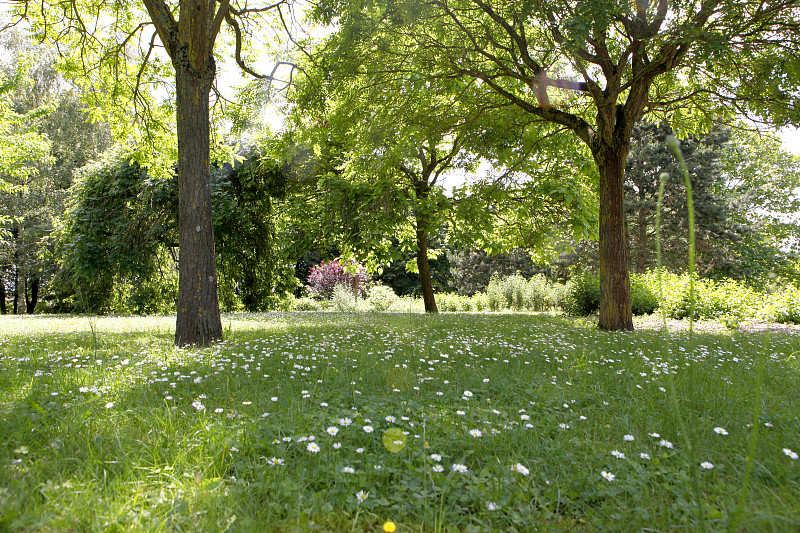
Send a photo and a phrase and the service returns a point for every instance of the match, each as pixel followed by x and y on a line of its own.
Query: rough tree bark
pixel 615 289
pixel 198 320
pixel 189 41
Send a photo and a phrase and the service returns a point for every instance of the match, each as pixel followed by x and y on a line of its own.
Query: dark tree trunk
pixel 34 299
pixel 425 271
pixel 421 189
pixel 198 320
pixel 615 287
pixel 3 308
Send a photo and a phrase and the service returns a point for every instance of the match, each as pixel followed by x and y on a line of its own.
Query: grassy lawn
pixel 503 423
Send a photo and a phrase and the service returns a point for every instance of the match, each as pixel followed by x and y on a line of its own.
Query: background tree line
pixel 372 135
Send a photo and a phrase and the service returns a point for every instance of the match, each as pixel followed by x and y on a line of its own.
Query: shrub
pixel 307 304
pixel 783 306
pixel 407 304
pixel 730 300
pixel 325 277
pixel 344 300
pixel 715 300
pixel 582 295
pixel 558 295
pixel 644 297
pixel 381 298
pixel 287 303
pixel 454 303
pixel 517 293
pixel 480 301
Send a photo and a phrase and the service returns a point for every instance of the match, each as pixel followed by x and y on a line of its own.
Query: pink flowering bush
pixel 324 277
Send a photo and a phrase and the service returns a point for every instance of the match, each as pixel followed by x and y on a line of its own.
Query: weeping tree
pixel 116 242
pixel 125 51
pixel 594 69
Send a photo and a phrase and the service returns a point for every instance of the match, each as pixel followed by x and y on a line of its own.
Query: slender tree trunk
pixel 19 286
pixel 615 285
pixel 15 300
pixel 424 270
pixel 18 277
pixel 31 304
pixel 198 320
pixel 421 189
pixel 3 308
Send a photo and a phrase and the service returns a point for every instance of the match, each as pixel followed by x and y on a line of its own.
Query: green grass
pixel 104 425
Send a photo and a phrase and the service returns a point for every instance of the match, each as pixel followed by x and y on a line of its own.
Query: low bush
pixel 582 295
pixel 517 293
pixel 783 306
pixel 381 298
pixel 325 277
pixel 728 299
pixel 307 304
pixel 480 302
pixel 345 301
pixel 644 297
pixel 407 304
pixel 454 303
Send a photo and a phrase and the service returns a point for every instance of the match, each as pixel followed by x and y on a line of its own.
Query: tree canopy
pixel 126 51
pixel 595 69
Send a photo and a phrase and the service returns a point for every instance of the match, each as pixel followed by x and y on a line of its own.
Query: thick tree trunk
pixel 424 270
pixel 198 320
pixel 34 299
pixel 615 285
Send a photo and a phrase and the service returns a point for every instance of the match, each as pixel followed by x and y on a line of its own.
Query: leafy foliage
pixel 713 299
pixel 381 298
pixel 472 270
pixel 118 223
pixel 583 295
pixel 49 133
pixel 591 69
pixel 245 236
pixel 783 306
pixel 122 221
pixel 517 293
pixel 717 232
pixel 403 276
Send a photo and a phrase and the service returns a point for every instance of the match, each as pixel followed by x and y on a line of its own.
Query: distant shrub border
pixel 729 301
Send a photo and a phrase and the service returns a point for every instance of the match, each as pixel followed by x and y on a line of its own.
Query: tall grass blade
pixel 690 436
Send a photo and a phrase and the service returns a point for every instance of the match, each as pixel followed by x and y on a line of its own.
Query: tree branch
pixel 165 24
